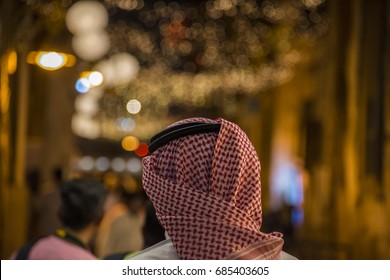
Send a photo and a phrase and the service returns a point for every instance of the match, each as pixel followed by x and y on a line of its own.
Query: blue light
pixel 297 216
pixel 127 124
pixel 82 85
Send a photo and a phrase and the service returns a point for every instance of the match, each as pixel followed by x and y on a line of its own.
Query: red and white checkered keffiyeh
pixel 207 193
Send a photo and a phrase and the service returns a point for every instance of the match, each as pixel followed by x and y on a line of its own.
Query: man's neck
pixel 85 235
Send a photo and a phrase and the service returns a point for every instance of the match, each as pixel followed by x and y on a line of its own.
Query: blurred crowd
pixel 62 226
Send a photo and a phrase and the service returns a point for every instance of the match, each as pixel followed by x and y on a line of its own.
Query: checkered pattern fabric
pixel 207 193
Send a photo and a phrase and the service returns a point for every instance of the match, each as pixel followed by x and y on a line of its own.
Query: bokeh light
pixel 126 68
pixel 130 143
pixel 133 106
pixel 120 69
pixel 180 56
pixel 85 126
pixel 92 45
pixel 118 164
pixel 82 85
pixel 86 163
pixel 102 164
pixel 142 149
pixel 87 21
pixel 125 124
pixel 86 104
pixel 51 60
pixel 312 4
pixel 86 16
pixel 12 62
pixel 134 165
pixel 95 78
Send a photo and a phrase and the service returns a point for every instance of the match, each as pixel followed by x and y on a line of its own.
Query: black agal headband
pixel 178 131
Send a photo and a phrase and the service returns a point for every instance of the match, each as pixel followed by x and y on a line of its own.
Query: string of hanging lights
pixel 171 57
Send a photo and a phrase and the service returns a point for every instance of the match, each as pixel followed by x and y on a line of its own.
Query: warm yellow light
pixel 85 74
pixel 31 57
pixel 12 62
pixel 70 60
pixel 51 60
pixel 130 143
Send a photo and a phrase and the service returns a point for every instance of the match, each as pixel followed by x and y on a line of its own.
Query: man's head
pixel 82 203
pixel 205 186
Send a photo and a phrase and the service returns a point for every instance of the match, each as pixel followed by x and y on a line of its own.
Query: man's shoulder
pixel 55 248
pixel 285 256
pixel 163 250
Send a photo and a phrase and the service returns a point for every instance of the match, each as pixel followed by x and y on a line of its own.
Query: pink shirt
pixel 54 248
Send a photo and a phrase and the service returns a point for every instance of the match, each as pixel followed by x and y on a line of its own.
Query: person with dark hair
pixel 80 212
pixel 203 178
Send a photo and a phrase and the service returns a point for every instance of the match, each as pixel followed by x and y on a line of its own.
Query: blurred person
pixel 120 232
pixel 153 231
pixel 80 212
pixel 45 206
pixel 135 198
pixel 203 178
pixel 33 181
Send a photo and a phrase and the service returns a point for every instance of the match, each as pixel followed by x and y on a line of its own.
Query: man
pixel 203 178
pixel 120 231
pixel 80 213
